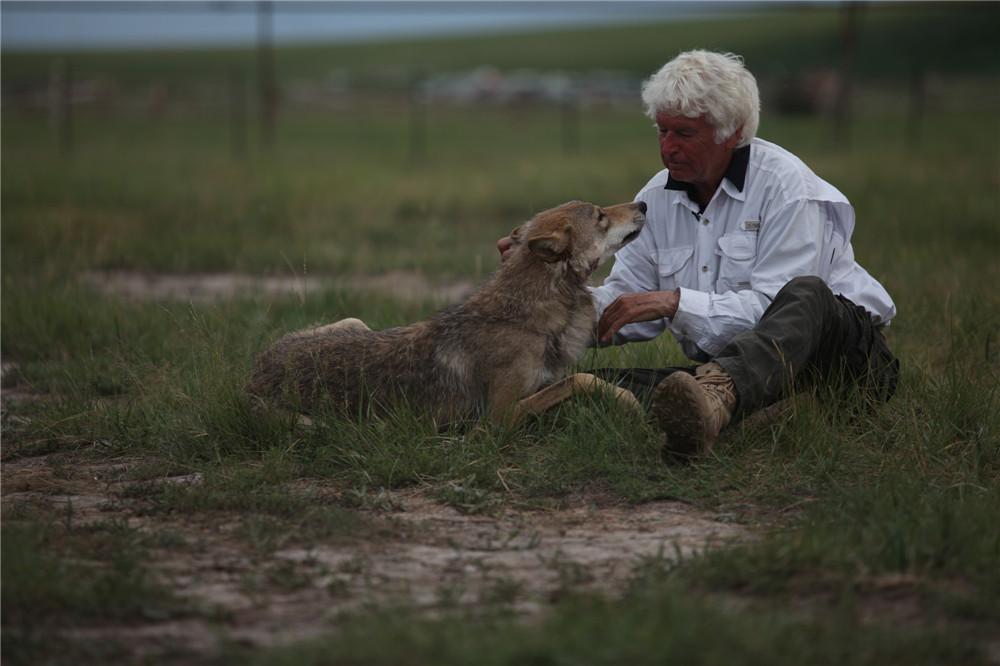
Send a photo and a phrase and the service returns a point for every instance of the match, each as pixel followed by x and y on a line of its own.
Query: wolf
pixel 522 330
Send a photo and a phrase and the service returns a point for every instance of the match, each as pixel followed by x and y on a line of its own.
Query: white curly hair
pixel 705 83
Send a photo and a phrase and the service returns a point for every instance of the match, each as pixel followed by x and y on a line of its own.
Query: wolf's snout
pixel 642 206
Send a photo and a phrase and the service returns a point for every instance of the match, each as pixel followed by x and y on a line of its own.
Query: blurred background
pixel 362 137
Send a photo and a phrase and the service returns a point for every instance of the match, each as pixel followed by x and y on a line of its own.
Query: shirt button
pixel 704 221
pixel 704 269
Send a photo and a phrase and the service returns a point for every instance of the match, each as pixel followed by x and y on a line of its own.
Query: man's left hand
pixel 631 308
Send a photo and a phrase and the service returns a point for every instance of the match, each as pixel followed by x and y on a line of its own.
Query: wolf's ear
pixel 517 235
pixel 551 246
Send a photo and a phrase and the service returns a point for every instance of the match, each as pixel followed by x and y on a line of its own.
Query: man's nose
pixel 667 143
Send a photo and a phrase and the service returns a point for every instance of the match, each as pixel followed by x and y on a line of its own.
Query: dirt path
pixel 417 552
pixel 200 287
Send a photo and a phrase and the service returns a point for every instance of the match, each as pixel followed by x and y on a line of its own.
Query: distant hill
pixel 893 40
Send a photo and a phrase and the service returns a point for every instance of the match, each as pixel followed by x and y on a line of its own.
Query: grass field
pixel 873 536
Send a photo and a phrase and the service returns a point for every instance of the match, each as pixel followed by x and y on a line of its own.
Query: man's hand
pixel 504 246
pixel 630 308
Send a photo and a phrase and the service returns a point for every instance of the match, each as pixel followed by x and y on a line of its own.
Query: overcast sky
pixel 55 25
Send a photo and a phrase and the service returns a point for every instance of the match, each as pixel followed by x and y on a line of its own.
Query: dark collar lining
pixel 736 173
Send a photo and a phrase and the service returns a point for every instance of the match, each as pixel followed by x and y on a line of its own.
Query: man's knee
pixel 803 303
pixel 806 284
pixel 807 289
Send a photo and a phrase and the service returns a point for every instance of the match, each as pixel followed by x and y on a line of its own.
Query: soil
pixel 199 287
pixel 413 551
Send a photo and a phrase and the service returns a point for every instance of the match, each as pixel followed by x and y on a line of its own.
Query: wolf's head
pixel 580 235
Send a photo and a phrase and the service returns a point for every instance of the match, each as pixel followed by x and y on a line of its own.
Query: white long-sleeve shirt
pixel 771 219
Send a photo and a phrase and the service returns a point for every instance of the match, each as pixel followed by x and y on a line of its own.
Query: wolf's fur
pixel 523 329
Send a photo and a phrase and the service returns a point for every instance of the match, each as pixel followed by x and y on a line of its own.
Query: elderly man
pixel 746 259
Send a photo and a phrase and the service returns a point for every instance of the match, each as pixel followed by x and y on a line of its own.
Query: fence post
pixel 265 74
pixel 237 112
pixel 848 40
pixel 418 118
pixel 918 102
pixel 570 117
pixel 61 103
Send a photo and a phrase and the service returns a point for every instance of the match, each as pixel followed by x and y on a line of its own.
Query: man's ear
pixel 552 245
pixel 734 140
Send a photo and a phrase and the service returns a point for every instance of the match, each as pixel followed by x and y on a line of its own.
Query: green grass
pixel 845 499
pixel 652 625
pixel 59 574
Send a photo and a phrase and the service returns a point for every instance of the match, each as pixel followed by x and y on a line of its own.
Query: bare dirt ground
pixel 198 287
pixel 415 551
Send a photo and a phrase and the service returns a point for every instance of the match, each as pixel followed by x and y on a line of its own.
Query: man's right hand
pixel 504 246
pixel 631 308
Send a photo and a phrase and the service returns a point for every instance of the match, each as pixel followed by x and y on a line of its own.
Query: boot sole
pixel 679 405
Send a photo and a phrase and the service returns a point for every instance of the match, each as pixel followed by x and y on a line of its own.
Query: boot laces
pixel 719 386
pixel 720 392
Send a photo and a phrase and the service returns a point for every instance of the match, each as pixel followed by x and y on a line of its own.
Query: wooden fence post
pixel 418 119
pixel 268 88
pixel 845 89
pixel 237 112
pixel 918 103
pixel 61 103
pixel 570 118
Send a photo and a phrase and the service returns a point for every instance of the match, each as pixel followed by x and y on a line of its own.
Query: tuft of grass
pixel 657 624
pixel 109 580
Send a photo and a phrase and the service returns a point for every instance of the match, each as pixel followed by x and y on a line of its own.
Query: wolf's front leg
pixel 576 384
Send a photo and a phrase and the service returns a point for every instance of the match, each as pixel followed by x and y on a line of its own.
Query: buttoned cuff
pixel 693 305
pixel 691 321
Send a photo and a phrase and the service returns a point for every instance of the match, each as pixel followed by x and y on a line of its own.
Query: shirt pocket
pixel 670 263
pixel 737 256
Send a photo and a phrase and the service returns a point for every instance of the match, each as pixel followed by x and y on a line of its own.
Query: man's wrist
pixel 671 301
pixel 691 302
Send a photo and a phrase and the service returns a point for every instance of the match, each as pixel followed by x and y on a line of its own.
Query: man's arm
pixel 632 308
pixel 789 244
pixel 630 293
pixel 504 246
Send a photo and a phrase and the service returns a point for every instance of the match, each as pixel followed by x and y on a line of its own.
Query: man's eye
pixel 684 134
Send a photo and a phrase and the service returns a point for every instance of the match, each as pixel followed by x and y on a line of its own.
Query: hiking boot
pixel 693 410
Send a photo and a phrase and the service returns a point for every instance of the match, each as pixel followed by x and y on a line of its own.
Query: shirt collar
pixel 736 174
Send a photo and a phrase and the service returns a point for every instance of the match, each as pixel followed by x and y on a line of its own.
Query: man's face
pixel 689 150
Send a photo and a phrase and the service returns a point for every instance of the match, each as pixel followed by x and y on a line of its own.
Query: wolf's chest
pixel 564 346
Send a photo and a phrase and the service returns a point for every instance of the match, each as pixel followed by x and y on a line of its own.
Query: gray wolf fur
pixel 522 330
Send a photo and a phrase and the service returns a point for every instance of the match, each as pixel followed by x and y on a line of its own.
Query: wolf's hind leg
pixel 349 324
